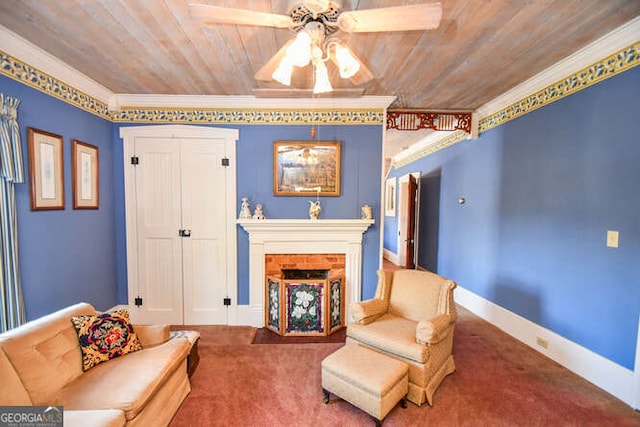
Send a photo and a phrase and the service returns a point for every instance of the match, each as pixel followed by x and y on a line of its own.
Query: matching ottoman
pixel 371 381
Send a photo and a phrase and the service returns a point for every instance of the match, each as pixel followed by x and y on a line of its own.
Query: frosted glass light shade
pixel 299 53
pixel 347 64
pixel 322 78
pixel 282 74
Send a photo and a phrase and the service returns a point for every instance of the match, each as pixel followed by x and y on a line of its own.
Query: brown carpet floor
pixel 498 382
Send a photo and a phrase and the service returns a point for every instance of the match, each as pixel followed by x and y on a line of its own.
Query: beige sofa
pixel 411 318
pixel 41 364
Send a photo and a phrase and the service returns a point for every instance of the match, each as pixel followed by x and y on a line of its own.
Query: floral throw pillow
pixel 105 336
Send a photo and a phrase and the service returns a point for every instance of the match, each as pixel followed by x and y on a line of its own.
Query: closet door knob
pixel 185 232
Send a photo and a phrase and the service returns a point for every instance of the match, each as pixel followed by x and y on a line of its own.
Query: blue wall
pixel 66 256
pixel 360 184
pixel 541 191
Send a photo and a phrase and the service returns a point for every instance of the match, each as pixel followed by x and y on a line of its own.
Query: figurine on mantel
pixel 258 213
pixel 245 212
pixel 314 209
pixel 366 212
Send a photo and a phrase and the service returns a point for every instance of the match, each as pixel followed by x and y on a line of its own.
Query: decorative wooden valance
pixel 436 120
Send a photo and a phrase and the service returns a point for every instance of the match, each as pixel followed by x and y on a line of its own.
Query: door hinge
pixel 226 301
pixel 225 162
pixel 138 301
pixel 135 160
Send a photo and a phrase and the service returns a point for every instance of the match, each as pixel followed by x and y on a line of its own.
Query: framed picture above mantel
pixel 306 168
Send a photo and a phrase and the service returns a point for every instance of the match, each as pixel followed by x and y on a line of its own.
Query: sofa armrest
pixel 365 312
pixel 434 330
pixel 150 335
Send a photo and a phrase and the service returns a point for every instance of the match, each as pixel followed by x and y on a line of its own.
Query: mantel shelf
pixel 305 225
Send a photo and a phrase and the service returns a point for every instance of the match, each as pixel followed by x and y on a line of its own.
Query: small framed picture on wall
pixel 46 171
pixel 390 197
pixel 85 175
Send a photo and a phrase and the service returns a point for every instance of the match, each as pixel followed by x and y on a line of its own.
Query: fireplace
pixel 305 302
pixel 302 237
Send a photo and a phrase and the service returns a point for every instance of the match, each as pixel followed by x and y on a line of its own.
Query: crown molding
pixel 43 61
pixel 120 101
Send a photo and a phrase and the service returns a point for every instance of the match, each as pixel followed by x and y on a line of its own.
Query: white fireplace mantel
pixel 303 236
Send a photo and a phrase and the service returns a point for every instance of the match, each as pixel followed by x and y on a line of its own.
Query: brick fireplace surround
pixel 274 242
pixel 274 264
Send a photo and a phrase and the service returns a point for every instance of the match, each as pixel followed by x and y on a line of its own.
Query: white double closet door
pixel 181 272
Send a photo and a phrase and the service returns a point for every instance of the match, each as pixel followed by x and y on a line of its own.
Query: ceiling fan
pixel 315 23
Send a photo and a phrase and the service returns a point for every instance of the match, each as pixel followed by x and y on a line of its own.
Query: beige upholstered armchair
pixel 411 318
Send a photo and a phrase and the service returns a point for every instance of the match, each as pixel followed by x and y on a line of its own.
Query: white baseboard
pixel 391 256
pixel 611 377
pixel 249 315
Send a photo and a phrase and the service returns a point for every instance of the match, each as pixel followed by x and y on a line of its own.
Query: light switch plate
pixel 612 238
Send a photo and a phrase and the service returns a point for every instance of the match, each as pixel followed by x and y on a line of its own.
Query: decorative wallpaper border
pixel 616 63
pixel 248 116
pixel 31 76
pixel 15 69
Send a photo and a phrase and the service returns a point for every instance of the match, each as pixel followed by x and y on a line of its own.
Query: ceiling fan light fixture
pixel 299 53
pixel 347 63
pixel 323 84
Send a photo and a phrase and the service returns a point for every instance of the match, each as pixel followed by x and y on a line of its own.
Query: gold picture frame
pixel 85 175
pixel 306 168
pixel 46 170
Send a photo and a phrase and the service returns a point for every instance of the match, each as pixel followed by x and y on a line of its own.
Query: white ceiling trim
pixel 610 43
pixel 247 101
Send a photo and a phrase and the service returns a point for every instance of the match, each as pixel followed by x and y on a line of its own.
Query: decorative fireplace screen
pixel 304 303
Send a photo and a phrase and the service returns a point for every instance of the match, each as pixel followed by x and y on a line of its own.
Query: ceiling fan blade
pixel 399 18
pixel 225 15
pixel 266 72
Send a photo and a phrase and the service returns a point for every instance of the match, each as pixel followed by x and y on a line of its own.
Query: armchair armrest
pixel 150 335
pixel 365 312
pixel 434 330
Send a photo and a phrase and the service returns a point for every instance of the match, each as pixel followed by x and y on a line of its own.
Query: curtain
pixel 11 173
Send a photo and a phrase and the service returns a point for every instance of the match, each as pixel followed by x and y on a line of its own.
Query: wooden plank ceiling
pixel 481 49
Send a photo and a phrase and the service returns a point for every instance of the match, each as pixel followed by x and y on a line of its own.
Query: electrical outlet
pixel 542 342
pixel 612 238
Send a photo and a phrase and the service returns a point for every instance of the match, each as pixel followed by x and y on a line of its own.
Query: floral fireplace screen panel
pixel 306 168
pixel 305 311
pixel 273 302
pixel 335 294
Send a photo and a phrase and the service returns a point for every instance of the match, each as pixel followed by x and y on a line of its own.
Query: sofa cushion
pixel 45 352
pixel 105 336
pixel 391 334
pixel 126 383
